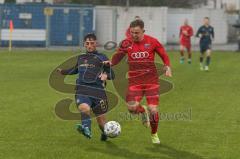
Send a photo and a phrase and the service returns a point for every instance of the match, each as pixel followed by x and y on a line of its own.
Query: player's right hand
pixel 103 76
pixel 107 63
pixel 168 72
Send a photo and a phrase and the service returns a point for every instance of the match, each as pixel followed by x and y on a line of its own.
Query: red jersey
pixel 141 56
pixel 185 39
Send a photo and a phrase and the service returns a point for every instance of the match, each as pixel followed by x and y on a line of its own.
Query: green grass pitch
pixel 210 101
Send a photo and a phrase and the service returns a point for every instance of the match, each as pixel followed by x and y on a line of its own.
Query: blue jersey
pixel 89 66
pixel 207 34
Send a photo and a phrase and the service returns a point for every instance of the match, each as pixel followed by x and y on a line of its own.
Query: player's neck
pixel 139 40
pixel 92 52
pixel 142 38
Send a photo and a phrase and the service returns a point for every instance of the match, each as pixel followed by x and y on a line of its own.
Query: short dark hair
pixel 136 23
pixel 90 36
pixel 206 18
pixel 137 17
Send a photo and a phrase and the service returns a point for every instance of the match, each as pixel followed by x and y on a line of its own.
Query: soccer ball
pixel 112 129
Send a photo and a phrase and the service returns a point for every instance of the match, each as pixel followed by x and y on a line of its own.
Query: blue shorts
pixel 205 47
pixel 99 106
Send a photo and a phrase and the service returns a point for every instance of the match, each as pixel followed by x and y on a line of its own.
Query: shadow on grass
pixel 172 153
pixel 154 152
pixel 114 151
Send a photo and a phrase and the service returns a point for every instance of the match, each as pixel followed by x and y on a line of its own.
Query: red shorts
pixel 187 45
pixel 137 92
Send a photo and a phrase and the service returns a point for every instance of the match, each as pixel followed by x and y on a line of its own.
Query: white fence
pixel 112 22
pixel 218 20
pixel 160 22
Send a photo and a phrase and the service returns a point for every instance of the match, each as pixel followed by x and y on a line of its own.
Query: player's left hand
pixel 168 72
pixel 103 76
pixel 185 32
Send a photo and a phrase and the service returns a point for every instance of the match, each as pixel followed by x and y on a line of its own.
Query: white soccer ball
pixel 112 129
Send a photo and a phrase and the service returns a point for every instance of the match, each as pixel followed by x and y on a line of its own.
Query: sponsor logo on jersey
pixel 140 55
pixel 146 46
pixel 87 65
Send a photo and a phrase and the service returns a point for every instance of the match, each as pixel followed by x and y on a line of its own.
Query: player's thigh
pixel 100 105
pixel 203 49
pixel 83 103
pixel 152 94
pixel 209 51
pixel 182 47
pixel 134 96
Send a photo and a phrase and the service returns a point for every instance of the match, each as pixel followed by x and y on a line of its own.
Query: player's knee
pixel 132 106
pixel 84 108
pixel 132 109
pixel 153 109
pixel 208 52
pixel 181 47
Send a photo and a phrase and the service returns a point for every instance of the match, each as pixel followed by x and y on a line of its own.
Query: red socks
pixel 154 119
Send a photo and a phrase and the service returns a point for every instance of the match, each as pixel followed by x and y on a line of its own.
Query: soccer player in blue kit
pixel 90 93
pixel 206 34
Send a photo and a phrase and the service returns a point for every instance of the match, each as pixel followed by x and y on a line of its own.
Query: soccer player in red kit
pixel 142 75
pixel 186 32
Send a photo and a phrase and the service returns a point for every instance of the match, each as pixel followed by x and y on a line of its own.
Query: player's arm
pixel 117 57
pixel 180 32
pixel 121 51
pixel 162 53
pixel 199 32
pixel 107 71
pixel 70 71
pixel 190 33
pixel 213 34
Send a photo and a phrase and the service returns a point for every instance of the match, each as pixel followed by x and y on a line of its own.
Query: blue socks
pixel 208 60
pixel 86 120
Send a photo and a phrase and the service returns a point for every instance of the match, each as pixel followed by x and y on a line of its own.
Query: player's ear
pixel 97 44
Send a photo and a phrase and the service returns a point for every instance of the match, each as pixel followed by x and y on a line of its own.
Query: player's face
pixel 137 33
pixel 186 22
pixel 90 45
pixel 206 21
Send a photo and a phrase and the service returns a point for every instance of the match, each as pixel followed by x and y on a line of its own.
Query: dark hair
pixel 206 18
pixel 136 23
pixel 137 17
pixel 90 36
